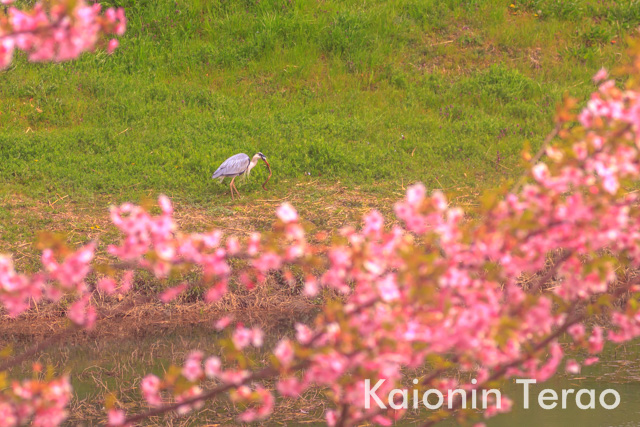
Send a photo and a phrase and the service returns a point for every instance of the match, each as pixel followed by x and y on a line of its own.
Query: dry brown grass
pixel 322 207
pixel 139 315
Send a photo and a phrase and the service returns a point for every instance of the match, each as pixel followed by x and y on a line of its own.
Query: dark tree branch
pixel 36 348
pixel 44 29
pixel 540 283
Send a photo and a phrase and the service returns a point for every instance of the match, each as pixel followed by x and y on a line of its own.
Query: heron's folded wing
pixel 234 165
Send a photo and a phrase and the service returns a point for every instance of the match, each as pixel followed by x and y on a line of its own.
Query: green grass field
pixel 361 92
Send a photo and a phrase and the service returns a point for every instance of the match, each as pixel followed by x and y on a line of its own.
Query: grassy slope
pixel 445 92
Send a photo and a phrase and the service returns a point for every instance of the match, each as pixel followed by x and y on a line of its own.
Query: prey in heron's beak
pixel 269 177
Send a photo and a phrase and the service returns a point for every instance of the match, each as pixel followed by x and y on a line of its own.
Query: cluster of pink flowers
pixel 439 290
pixel 57 30
pixel 153 388
pixel 186 386
pixel 261 399
pixel 16 290
pixel 243 337
pixel 34 402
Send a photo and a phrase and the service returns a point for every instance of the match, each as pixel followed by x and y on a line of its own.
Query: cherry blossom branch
pixel 344 414
pixel 572 319
pixel 34 31
pixel 57 30
pixel 264 373
pixel 551 271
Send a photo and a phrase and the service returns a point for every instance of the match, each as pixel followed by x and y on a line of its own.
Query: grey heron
pixel 238 165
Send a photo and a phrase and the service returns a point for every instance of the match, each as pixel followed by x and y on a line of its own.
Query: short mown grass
pixel 445 92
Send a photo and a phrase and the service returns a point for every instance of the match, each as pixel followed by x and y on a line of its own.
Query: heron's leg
pixel 231 188
pixel 237 192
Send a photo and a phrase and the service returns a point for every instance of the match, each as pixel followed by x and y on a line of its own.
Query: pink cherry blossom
pixel 107 285
pixel 284 352
pixel 287 213
pixel 596 341
pixel 113 45
pixel 311 286
pixel 264 401
pixel 290 387
pixel 572 367
pixel 576 331
pixel 82 313
pixel 257 337
pixel 151 390
pixel 243 337
pixel 602 74
pixel 331 417
pixel 74 268
pixel 491 291
pixel 223 322
pixel 268 261
pixel 171 293
pixel 303 333
pixel 373 223
pixel 216 292
pixel 190 393
pixel 116 417
pixel 233 246
pixel 212 367
pixel 127 282
pixel 590 361
pixel 35 402
pixel 416 194
pixel 235 377
pixel 388 288
pixel 8 414
pixel 192 369
pixel 58 31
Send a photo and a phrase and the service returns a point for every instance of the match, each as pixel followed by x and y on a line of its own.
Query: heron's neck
pixel 254 162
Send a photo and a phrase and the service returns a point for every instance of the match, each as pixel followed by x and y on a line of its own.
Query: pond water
pixel 618 369
pixel 626 414
pixel 102 366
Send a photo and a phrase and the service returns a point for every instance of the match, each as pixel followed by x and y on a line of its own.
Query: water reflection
pixel 619 369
